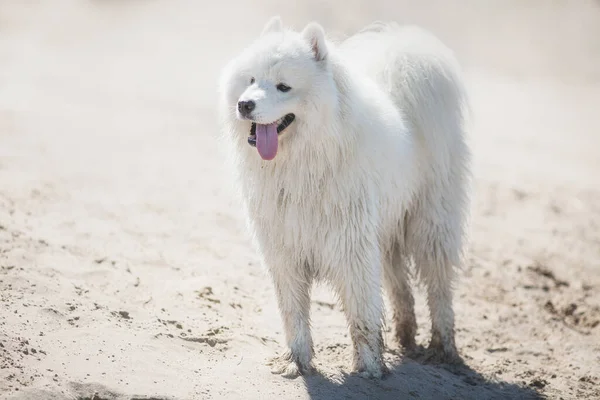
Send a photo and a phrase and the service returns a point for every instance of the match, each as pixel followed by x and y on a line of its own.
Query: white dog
pixel 353 165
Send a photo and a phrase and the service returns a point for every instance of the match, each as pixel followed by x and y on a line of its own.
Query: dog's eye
pixel 251 81
pixel 282 87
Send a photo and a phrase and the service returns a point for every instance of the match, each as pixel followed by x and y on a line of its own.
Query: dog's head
pixel 275 82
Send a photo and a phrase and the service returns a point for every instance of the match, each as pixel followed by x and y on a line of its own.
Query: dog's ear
pixel 315 36
pixel 274 25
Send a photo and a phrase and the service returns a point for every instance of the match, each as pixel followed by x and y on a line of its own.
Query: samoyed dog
pixel 353 167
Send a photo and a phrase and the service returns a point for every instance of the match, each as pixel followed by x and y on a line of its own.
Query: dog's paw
pixel 287 367
pixel 374 371
pixel 289 370
pixel 438 355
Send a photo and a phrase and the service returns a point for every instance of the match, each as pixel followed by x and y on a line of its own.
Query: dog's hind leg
pixel 397 284
pixel 433 244
pixel 292 287
pixel 438 280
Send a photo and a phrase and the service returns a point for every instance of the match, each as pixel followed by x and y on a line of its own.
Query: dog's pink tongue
pixel 266 140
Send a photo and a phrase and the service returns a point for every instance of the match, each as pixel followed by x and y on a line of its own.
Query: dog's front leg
pixel 292 287
pixel 360 293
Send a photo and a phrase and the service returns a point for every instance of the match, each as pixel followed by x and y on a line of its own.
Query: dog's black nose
pixel 246 107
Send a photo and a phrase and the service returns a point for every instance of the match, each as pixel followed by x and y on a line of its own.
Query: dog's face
pixel 274 81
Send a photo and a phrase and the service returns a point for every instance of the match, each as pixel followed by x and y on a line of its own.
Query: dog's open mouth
pixel 265 137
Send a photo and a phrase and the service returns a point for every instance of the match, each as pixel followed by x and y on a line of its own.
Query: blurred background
pixel 125 266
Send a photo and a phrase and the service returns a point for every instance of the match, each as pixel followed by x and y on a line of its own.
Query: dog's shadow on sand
pixel 410 379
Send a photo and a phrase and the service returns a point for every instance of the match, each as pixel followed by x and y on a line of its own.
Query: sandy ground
pixel 125 268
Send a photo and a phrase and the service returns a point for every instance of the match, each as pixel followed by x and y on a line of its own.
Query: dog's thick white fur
pixel 370 178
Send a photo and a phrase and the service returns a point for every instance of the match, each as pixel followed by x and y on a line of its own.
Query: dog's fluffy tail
pixel 423 78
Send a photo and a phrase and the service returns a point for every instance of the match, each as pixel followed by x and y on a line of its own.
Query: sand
pixel 125 268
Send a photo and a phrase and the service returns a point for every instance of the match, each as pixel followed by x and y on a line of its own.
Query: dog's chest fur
pixel 308 214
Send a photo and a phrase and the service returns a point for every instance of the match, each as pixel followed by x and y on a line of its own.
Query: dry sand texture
pixel 126 272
